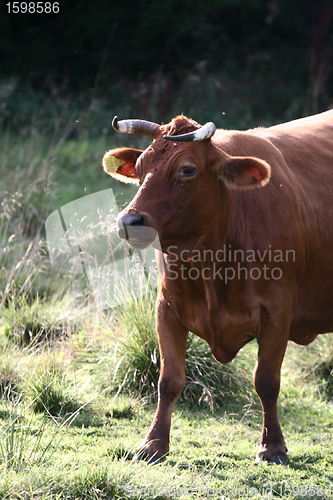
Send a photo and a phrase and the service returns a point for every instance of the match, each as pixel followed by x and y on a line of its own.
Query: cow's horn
pixel 135 127
pixel 205 132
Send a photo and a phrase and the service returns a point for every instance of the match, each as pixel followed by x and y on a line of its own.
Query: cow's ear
pixel 244 172
pixel 120 164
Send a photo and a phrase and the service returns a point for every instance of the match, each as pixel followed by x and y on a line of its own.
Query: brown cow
pixel 240 263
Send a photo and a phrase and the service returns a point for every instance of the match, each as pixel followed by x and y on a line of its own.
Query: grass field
pixel 79 440
pixel 78 385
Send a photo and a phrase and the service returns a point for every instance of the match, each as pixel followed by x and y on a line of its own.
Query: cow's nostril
pixel 136 231
pixel 131 221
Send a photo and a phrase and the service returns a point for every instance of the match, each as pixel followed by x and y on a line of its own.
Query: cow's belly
pixel 313 313
pixel 307 324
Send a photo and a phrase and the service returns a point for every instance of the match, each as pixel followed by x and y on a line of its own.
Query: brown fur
pixel 218 208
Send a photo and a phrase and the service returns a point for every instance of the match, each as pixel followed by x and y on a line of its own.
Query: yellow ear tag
pixel 111 163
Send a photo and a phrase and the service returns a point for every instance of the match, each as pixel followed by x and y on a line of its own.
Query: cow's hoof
pixel 148 456
pixel 281 459
pixel 154 460
pixel 150 460
pixel 270 456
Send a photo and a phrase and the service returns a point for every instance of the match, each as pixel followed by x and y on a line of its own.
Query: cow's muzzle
pixel 135 230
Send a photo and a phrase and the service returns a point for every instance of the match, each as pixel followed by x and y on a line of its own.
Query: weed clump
pixel 10 384
pixel 210 383
pixel 27 323
pixel 137 369
pixel 316 365
pixel 51 394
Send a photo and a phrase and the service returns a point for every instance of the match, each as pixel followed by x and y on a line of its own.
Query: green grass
pixel 84 446
pixel 210 453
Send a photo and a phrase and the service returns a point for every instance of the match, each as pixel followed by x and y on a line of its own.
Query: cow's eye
pixel 188 171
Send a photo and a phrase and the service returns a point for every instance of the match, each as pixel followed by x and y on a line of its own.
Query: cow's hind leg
pixel 172 341
pixel 267 384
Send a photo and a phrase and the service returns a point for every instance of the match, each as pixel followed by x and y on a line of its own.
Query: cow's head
pixel 184 180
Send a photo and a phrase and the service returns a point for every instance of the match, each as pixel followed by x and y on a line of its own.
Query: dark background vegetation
pixel 257 61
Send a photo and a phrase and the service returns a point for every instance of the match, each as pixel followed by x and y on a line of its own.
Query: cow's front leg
pixel 267 384
pixel 172 336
